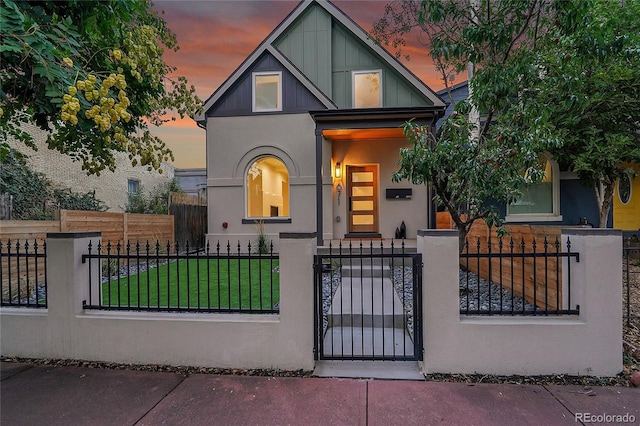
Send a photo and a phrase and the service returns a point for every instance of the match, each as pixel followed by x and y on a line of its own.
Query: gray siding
pixel 238 100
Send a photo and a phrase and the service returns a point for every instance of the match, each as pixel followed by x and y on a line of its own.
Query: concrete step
pixel 357 270
pixel 367 342
pixel 366 302
pixel 391 370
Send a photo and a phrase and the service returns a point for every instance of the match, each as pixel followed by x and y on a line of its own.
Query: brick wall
pixel 110 187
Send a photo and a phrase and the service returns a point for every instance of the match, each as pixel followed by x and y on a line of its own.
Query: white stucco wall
pixel 587 344
pixel 233 144
pixel 110 187
pixel 65 330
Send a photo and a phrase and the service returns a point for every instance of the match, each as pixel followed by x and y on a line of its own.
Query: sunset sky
pixel 215 36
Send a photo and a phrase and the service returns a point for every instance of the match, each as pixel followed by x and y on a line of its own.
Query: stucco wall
pixel 65 330
pixel 588 344
pixel 110 187
pixel 233 144
pixel 392 212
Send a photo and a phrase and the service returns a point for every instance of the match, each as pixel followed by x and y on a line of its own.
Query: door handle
pixel 350 209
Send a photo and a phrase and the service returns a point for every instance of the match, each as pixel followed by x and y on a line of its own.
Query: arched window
pixel 267 183
pixel 540 201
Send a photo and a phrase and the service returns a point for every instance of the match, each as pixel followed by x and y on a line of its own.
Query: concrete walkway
pixel 43 395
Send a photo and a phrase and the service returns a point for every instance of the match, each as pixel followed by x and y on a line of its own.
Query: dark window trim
pixel 266 220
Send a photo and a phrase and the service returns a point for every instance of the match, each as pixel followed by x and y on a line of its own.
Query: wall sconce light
pixel 338 171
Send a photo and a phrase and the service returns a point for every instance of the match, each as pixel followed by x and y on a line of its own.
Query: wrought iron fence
pixel 515 278
pixel 23 274
pixel 171 278
pixel 631 280
pixel 367 303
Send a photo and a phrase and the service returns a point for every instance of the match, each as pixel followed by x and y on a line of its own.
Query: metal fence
pixel 515 278
pixel 631 280
pixel 171 278
pixel 367 303
pixel 23 274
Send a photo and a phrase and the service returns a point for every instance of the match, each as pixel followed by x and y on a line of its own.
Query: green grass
pixel 208 284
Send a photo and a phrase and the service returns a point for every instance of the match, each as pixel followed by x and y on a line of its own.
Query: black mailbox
pixel 399 193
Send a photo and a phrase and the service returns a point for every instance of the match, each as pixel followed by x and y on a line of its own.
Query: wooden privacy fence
pixel 539 276
pixel 115 227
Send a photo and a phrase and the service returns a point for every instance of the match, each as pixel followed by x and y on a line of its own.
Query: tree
pixel 471 169
pixel 92 73
pixel 155 202
pixel 587 92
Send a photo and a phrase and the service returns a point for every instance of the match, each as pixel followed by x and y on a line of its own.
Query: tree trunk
pixel 604 199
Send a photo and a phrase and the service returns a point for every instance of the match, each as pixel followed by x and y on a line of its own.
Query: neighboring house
pixel 112 188
pixel 560 198
pixel 192 181
pixel 452 96
pixel 305 135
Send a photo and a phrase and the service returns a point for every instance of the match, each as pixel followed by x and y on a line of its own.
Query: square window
pixel 133 185
pixel 267 92
pixel 367 89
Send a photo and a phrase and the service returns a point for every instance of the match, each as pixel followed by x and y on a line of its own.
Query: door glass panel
pixel 362 177
pixel 362 191
pixel 362 205
pixel 363 219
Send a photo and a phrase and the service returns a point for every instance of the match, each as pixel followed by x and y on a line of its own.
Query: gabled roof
pixel 354 28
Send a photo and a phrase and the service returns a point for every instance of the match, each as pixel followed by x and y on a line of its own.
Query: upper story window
pixel 367 89
pixel 267 91
pixel 539 202
pixel 267 188
pixel 133 186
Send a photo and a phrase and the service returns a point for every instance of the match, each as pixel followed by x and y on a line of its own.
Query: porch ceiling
pixel 362 134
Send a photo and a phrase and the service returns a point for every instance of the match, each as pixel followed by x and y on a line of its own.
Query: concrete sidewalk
pixel 44 395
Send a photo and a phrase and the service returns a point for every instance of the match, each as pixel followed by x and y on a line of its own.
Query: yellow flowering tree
pixel 93 75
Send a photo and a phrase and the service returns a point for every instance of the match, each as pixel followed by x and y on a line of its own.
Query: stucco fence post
pixel 66 330
pixel 587 344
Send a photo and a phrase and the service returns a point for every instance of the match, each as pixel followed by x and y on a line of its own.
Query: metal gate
pixel 367 303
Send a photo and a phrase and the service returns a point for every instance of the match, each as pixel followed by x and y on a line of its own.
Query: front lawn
pixel 199 283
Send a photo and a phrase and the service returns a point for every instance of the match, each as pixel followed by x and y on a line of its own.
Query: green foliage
pixel 468 176
pixel 32 192
pixel 587 92
pixel 70 200
pixel 262 243
pixel 92 73
pixel 155 202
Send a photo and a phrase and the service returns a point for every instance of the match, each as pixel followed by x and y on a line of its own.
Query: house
pixel 192 181
pixel 560 199
pixel 112 188
pixel 304 135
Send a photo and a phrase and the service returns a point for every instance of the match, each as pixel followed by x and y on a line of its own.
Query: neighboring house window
pixel 267 91
pixel 133 185
pixel 624 188
pixel 539 202
pixel 367 89
pixel 267 188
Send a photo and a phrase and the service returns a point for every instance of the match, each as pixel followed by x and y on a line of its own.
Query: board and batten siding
pixel 307 44
pixel 349 54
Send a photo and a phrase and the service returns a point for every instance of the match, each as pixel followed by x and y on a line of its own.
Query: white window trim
pixel 353 86
pixel 246 196
pixel 630 189
pixel 253 91
pixel 555 216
